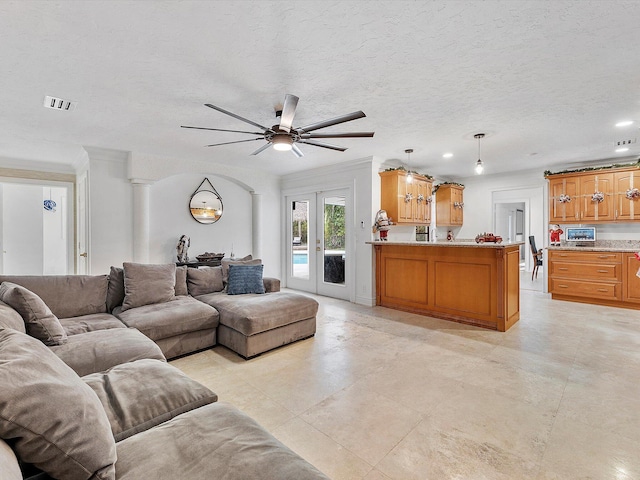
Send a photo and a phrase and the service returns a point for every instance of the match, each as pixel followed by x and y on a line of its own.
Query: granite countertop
pixel 624 246
pixel 445 243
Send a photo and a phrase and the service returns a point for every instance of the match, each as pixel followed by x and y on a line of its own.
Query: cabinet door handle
pixel 603 290
pixel 603 271
pixel 563 255
pixel 563 268
pixel 605 256
pixel 563 286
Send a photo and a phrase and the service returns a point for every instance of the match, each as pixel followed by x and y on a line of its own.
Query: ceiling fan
pixel 284 136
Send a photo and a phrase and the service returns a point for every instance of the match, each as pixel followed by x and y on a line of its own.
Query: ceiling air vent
pixel 625 142
pixel 59 104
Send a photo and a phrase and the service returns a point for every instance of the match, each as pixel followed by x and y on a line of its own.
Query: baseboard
pixel 367 301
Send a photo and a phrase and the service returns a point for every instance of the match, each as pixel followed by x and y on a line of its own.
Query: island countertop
pixel 446 243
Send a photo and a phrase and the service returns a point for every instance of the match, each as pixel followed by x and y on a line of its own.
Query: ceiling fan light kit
pixel 284 136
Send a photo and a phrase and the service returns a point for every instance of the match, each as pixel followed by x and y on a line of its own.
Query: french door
pixel 318 243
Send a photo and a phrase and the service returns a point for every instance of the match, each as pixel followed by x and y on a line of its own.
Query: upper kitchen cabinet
pixel 406 203
pixel 449 205
pixel 601 196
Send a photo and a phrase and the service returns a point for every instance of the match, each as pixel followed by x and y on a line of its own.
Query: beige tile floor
pixel 380 394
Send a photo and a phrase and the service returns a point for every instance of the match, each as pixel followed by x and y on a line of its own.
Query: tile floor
pixel 381 394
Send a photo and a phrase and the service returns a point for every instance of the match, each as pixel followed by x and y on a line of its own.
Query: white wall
pixel 110 207
pixel 362 177
pixel 170 218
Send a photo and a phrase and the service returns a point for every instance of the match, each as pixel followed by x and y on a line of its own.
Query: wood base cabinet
pixel 478 286
pixel 601 278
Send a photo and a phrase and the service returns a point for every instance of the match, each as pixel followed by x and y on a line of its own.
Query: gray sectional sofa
pixel 92 397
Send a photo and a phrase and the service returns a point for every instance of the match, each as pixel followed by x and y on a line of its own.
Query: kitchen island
pixel 466 282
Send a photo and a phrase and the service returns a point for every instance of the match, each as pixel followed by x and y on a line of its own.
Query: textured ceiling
pixel 546 81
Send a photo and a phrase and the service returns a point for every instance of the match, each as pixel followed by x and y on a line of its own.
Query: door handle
pixel 83 254
pixel 317 249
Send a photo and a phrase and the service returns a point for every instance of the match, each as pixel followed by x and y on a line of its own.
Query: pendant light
pixel 409 177
pixel 479 165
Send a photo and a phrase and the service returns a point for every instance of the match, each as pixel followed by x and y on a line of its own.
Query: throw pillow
pixel 115 291
pixel 245 279
pixel 204 280
pixel 39 321
pixel 181 281
pixel 140 395
pixel 248 260
pixel 52 419
pixel 146 284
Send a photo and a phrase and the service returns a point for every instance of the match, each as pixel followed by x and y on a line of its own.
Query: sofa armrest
pixel 271 284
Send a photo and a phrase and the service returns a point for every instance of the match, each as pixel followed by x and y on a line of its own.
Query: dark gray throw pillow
pixel 40 323
pixel 245 279
pixel 146 284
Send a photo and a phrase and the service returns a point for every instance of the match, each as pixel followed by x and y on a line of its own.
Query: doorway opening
pixel 317 243
pixel 36 227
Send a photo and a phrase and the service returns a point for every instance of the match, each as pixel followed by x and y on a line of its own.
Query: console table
pixel 212 263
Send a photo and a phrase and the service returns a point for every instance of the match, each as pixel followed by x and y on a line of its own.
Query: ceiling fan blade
pixel 288 112
pixel 236 116
pixel 222 130
pixel 239 141
pixel 334 121
pixel 296 151
pixel 261 149
pixel 337 135
pixel 323 145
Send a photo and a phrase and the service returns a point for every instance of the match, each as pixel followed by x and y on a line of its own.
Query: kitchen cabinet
pixel 449 205
pixel 602 196
pixel 406 203
pixel 598 277
pixel 627 189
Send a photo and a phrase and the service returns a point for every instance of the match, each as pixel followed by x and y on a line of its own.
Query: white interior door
pixel 82 225
pixel 318 243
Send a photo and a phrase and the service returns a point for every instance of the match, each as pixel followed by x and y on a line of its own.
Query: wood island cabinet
pixel 449 205
pixel 406 203
pixel 571 196
pixel 597 277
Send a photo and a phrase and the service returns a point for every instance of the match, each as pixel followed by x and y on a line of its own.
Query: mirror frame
pixel 213 193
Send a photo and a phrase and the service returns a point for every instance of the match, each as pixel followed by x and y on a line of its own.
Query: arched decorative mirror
pixel 205 204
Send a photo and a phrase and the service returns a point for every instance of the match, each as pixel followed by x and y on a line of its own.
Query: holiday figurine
pixel 381 224
pixel 449 236
pixel 555 232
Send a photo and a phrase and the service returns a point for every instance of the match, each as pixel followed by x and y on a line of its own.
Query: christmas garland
pixel 591 169
pixel 436 187
pixel 402 169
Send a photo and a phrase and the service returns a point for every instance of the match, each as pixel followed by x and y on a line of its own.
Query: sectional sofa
pixel 92 397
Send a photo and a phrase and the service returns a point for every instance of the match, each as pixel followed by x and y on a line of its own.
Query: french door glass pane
pixel 334 239
pixel 299 234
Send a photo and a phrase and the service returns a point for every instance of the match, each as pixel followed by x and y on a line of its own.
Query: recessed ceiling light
pixel 626 123
pixel 623 149
pixel 447 155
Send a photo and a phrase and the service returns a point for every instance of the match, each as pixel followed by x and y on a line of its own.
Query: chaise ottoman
pixel 252 324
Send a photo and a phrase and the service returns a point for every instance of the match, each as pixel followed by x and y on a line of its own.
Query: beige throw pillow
pixel 39 321
pixel 204 280
pixel 148 284
pixel 51 417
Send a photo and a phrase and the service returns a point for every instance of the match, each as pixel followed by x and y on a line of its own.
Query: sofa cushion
pixel 145 393
pixel 248 260
pixel 50 416
pixel 90 323
pixel 245 279
pixel 252 313
pixel 40 322
pixel 115 291
pixel 181 281
pixel 148 284
pixel 215 441
pixel 162 320
pixel 67 295
pixel 9 462
pixel 204 280
pixel 100 350
pixel 9 318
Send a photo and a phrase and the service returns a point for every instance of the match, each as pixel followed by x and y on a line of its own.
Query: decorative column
pixel 256 225
pixel 141 217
